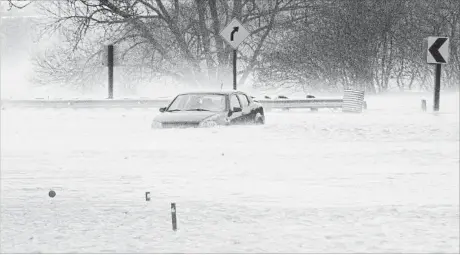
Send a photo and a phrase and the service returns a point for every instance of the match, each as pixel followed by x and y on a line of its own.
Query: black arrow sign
pixel 235 29
pixel 434 50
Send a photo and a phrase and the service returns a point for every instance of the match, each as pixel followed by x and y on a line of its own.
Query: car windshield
pixel 198 102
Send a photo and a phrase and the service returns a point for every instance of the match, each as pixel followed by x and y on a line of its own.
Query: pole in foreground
pixel 110 69
pixel 173 216
pixel 437 87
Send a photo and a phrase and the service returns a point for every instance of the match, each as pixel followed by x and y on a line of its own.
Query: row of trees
pixel 368 44
pixel 313 44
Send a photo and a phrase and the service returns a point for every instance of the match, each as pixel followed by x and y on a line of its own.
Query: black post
pixel 110 65
pixel 173 216
pixel 437 87
pixel 234 69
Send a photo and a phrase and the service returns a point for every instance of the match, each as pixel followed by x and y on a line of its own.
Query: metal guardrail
pixel 91 103
pixel 313 103
pixel 353 101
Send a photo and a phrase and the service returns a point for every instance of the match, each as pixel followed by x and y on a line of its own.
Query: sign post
pixel 234 69
pixel 438 54
pixel 110 67
pixel 110 58
pixel 234 34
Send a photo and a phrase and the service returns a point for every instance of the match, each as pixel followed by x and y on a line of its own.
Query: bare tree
pixel 315 44
pixel 184 36
pixel 367 44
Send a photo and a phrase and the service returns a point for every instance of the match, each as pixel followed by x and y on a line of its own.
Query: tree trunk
pixel 222 55
pixel 206 41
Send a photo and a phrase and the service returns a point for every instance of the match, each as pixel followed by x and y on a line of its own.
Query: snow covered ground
pixel 385 181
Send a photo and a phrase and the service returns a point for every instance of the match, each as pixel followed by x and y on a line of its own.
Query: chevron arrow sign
pixel 438 50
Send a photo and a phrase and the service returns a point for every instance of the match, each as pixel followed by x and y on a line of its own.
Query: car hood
pixel 183 116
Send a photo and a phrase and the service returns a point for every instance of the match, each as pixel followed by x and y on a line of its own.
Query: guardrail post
pixel 424 105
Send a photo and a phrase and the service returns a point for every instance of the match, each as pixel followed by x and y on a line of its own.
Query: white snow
pixel 384 181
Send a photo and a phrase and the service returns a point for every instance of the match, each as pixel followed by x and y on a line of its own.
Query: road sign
pixel 437 53
pixel 438 50
pixel 234 33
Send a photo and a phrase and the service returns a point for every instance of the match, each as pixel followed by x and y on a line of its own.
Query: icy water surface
pixel 326 182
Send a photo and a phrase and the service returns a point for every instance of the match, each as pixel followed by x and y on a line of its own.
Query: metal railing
pixel 313 103
pixel 86 103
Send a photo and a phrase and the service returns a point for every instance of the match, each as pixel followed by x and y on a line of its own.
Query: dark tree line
pixel 313 44
pixel 348 43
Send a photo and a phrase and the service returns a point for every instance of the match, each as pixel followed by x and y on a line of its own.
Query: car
pixel 208 109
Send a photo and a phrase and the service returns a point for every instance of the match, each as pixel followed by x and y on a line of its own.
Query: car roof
pixel 217 92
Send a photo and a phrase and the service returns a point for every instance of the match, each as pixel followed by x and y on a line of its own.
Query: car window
pixel 244 100
pixel 207 102
pixel 234 102
pixel 179 102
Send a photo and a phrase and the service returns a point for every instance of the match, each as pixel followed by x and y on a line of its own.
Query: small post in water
pixel 173 216
pixel 147 196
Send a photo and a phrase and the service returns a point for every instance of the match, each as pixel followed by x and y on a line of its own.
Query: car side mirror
pixel 162 109
pixel 237 109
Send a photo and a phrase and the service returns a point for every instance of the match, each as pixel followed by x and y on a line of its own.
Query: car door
pixel 246 109
pixel 235 117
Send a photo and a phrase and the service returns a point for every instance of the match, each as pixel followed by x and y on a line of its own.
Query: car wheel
pixel 259 119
